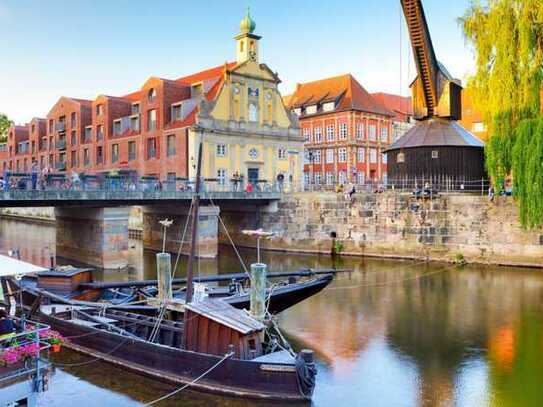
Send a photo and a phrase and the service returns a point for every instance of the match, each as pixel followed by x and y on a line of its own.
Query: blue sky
pixel 86 48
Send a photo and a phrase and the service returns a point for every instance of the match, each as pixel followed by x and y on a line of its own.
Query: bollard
pixel 164 276
pixel 258 290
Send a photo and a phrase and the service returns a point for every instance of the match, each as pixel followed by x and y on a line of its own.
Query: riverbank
pixel 460 228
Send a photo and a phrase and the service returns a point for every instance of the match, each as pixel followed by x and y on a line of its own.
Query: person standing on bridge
pixel 34 174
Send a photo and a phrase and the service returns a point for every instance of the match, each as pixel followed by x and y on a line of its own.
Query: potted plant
pixel 53 338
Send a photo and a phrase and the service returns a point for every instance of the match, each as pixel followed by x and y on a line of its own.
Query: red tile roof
pixel 400 105
pixel 345 88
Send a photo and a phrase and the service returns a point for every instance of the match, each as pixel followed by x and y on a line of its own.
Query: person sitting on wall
pixel 7 327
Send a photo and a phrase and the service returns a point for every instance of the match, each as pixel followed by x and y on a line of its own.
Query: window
pixel 359 131
pixel 318 178
pixel 73 158
pixel 478 127
pixel 99 110
pixel 373 156
pixel 342 177
pixel 117 127
pixel 329 156
pixel 361 154
pixel 384 158
pixel 221 176
pixel 282 153
pixel 135 108
pixel 221 150
pixel 330 132
pixel 73 120
pixel 342 155
pixel 176 112
pixel 328 106
pixel 435 154
pixel 87 135
pixel 99 155
pixel 312 109
pixel 400 158
pixel 151 148
pixel 329 178
pixel 114 153
pixel 317 156
pixel 253 112
pixel 307 178
pixel 86 157
pixel 372 130
pixel 343 131
pixel 73 140
pixel 384 134
pixel 298 111
pixel 51 126
pixel 33 128
pixel 151 119
pixel 385 178
pixel 361 178
pixel 135 124
pixel 307 133
pixel 170 144
pixel 131 150
pixel 151 95
pixel 318 135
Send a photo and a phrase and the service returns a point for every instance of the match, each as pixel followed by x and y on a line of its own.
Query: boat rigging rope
pixel 231 241
pixel 390 283
pixel 182 240
pixel 228 355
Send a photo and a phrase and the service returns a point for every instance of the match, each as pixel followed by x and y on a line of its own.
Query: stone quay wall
pixel 449 227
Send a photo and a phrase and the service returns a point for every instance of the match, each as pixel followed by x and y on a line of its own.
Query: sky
pixel 83 49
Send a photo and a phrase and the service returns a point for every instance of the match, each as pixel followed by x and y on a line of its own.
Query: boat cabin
pixel 64 281
pixel 213 326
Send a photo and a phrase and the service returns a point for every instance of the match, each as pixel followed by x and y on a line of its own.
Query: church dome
pixel 247 24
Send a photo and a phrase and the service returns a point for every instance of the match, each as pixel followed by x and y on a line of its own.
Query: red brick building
pixel 402 108
pixel 145 131
pixel 345 129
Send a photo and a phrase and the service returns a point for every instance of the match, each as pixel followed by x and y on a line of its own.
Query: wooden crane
pixel 435 92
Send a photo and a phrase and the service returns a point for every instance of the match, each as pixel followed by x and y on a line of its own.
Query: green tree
pixel 507 39
pixel 5 123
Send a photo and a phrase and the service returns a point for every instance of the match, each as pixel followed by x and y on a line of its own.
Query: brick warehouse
pixel 234 109
pixel 345 130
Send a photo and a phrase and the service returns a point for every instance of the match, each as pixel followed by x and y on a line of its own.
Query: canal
pixel 389 334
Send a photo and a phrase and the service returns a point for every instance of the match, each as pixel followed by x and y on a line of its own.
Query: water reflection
pixel 384 335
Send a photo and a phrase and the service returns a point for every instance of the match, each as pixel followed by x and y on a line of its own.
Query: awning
pixel 10 267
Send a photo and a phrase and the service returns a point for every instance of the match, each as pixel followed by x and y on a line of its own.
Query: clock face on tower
pixel 252 56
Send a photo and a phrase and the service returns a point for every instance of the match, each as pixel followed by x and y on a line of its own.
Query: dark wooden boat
pixel 214 328
pixel 74 285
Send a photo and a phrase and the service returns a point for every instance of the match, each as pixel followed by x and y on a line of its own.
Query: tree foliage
pixel 5 123
pixel 507 38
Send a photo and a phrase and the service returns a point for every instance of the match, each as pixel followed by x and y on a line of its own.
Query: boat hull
pixel 233 377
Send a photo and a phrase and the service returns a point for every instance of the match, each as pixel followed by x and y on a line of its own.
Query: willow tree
pixel 507 38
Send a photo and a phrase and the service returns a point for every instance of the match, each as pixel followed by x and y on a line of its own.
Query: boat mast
pixel 195 212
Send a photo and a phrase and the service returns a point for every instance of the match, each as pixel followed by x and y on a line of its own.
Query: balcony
pixel 60 127
pixel 61 144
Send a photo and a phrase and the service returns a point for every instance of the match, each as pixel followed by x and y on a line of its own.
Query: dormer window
pixel 312 109
pixel 135 108
pixel 328 106
pixel 176 112
pixel 99 110
pixel 151 95
pixel 298 111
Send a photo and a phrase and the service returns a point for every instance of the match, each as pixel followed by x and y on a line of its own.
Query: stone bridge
pixel 92 225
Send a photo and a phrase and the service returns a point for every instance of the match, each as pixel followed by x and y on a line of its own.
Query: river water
pixel 389 334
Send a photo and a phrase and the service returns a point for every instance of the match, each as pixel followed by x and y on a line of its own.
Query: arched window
pixel 253 112
pixel 151 96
